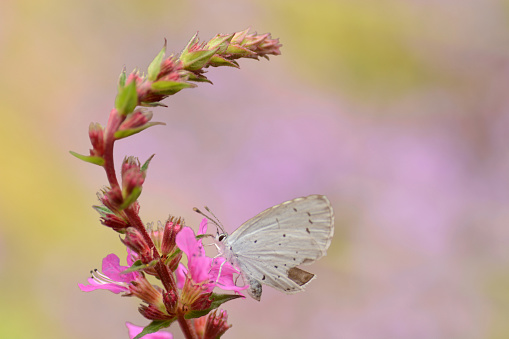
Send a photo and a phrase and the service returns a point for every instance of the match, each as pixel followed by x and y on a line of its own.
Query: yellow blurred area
pixel 394 109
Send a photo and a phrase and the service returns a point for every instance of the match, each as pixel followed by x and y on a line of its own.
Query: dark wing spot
pixel 230 248
pixel 280 244
pixel 255 241
pixel 310 221
pixel 294 259
pixel 275 266
pixel 284 235
pixel 279 276
pixel 309 214
pixel 307 230
pixel 263 278
pixel 295 209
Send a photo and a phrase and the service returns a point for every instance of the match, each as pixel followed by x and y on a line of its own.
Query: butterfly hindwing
pixel 270 245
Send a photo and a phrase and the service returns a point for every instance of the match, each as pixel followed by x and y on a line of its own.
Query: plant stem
pixel 109 139
pixel 186 327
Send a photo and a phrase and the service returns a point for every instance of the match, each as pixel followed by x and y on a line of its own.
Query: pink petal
pixel 181 275
pixel 135 330
pixel 203 226
pixel 186 241
pixel 94 285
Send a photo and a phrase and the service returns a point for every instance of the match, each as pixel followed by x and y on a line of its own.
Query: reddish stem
pixel 109 139
pixel 186 327
pixel 114 122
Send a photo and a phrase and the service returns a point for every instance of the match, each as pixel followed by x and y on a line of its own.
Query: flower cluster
pixel 187 293
pixel 193 297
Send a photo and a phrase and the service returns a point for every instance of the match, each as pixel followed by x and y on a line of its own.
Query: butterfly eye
pixel 221 237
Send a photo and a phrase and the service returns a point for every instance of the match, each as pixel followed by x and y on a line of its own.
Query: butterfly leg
pixel 219 272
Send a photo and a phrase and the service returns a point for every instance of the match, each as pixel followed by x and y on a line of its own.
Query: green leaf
pixel 102 210
pixel 131 198
pixel 221 42
pixel 173 255
pixel 139 266
pixel 126 99
pixel 217 300
pixel 128 132
pixel 198 78
pixel 196 60
pixel 121 80
pixel 145 165
pixel 89 158
pixel 217 61
pixel 154 326
pixel 170 87
pixel 239 51
pixel 155 66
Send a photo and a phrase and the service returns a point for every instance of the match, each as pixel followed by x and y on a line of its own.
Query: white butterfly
pixel 268 247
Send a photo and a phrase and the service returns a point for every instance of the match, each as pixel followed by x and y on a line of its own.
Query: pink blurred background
pixel 393 109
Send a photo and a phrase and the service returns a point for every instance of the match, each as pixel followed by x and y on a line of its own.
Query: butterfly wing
pixel 268 247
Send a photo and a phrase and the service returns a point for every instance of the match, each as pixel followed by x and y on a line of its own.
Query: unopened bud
pixel 96 134
pixel 216 324
pixel 170 300
pixel 136 119
pixel 136 242
pixel 153 313
pixel 113 221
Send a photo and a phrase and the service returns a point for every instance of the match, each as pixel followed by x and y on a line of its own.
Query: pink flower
pixel 135 330
pixel 111 279
pixel 204 270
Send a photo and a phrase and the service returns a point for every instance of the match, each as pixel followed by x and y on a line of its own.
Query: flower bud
pixel 245 45
pixel 199 325
pixel 153 313
pixel 172 227
pixel 113 221
pixel 96 134
pixel 170 70
pixel 132 180
pixel 136 119
pixel 151 294
pixel 170 300
pixel 202 302
pixel 136 242
pixel 111 198
pixel 216 324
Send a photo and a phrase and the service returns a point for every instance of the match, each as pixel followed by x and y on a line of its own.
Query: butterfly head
pixel 221 237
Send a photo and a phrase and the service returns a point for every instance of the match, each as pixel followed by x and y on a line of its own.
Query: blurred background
pixel 396 110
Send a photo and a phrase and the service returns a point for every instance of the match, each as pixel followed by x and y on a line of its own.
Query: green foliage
pixel 166 87
pixel 155 66
pixel 217 300
pixel 89 158
pixel 139 266
pixel 126 99
pixel 154 326
pixel 128 132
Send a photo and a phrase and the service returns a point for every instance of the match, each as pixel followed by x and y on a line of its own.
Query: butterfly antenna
pixel 215 222
pixel 218 223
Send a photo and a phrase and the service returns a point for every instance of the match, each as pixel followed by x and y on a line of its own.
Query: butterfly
pixel 268 247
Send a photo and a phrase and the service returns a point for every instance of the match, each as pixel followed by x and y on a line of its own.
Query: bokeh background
pixel 397 110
